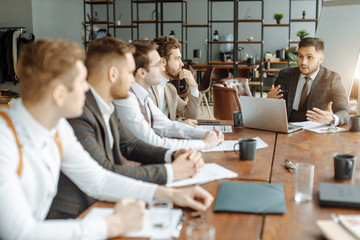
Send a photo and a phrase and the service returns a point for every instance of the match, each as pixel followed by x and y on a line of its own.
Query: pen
pixel 180 224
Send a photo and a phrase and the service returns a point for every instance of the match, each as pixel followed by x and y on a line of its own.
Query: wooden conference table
pixel 299 222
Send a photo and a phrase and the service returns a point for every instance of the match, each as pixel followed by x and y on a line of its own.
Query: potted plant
pixel 294 59
pixel 302 33
pixel 278 16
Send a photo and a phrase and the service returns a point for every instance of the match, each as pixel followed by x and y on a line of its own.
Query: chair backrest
pixel 226 101
pixel 205 82
pixel 240 84
pixel 219 73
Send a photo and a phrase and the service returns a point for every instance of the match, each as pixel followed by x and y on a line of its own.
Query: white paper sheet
pixel 229 145
pixel 317 127
pixel 147 229
pixel 223 128
pixel 210 172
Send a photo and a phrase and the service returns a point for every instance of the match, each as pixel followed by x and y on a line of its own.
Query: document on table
pixel 210 172
pixel 146 231
pixel 229 145
pixel 318 127
pixel 223 128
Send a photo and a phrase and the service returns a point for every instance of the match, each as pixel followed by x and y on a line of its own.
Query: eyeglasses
pixel 289 165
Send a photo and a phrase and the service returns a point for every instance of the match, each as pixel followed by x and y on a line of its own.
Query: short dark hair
pixel 104 51
pixel 142 48
pixel 166 44
pixel 312 42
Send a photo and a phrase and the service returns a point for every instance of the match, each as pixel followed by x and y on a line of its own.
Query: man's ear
pixel 163 61
pixel 113 74
pixel 140 73
pixel 59 94
pixel 322 57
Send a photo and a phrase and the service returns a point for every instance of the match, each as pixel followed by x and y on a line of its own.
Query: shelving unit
pixel 278 65
pixel 90 22
pixel 158 21
pixel 235 21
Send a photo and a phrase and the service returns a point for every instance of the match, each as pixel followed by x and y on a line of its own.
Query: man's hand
pixel 275 92
pixel 191 122
pixel 213 138
pixel 187 163
pixel 188 76
pixel 128 216
pixel 196 198
pixel 320 116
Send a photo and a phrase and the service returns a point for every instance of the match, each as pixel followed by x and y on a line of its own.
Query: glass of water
pixel 304 181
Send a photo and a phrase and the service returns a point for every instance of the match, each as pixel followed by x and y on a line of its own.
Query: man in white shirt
pixel 53 86
pixel 98 130
pixel 139 115
pixel 165 94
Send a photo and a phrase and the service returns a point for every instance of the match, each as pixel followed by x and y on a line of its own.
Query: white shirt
pixel 106 111
pixel 164 129
pixel 25 200
pixel 299 88
pixel 162 101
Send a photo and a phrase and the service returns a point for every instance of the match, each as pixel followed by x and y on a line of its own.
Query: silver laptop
pixel 266 114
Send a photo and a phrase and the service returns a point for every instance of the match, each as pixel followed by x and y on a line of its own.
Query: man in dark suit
pixel 312 92
pixel 98 131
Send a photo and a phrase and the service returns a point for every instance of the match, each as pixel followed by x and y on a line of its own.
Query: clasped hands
pixel 314 115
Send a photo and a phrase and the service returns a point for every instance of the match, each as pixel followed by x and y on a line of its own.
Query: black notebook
pixel 261 198
pixel 339 195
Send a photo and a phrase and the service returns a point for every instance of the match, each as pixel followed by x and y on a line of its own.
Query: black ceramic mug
pixel 238 119
pixel 247 148
pixel 344 165
pixel 354 123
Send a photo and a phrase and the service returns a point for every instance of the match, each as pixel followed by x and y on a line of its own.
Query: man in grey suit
pixel 312 92
pixel 99 132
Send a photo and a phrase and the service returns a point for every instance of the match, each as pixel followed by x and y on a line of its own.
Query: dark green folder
pixel 261 198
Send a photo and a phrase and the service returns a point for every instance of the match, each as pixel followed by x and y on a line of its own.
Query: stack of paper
pixel 318 127
pixel 229 145
pixel 210 172
pixel 146 231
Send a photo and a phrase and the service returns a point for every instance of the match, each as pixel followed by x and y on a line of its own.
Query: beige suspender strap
pixel 58 143
pixel 11 125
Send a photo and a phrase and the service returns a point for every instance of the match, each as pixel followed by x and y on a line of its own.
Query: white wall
pixel 57 19
pixel 339 27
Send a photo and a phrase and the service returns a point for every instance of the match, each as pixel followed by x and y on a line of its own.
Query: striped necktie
pixel 304 92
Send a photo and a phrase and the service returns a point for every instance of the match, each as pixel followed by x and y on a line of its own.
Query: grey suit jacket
pixel 177 106
pixel 91 131
pixel 326 87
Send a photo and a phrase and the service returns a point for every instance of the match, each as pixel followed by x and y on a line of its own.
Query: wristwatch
pixel 333 120
pixel 173 156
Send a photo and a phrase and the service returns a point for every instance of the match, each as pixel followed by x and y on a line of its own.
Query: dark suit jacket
pixel 326 87
pixel 90 130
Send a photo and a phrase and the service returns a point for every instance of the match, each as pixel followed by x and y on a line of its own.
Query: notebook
pixel 260 198
pixel 266 114
pixel 339 195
